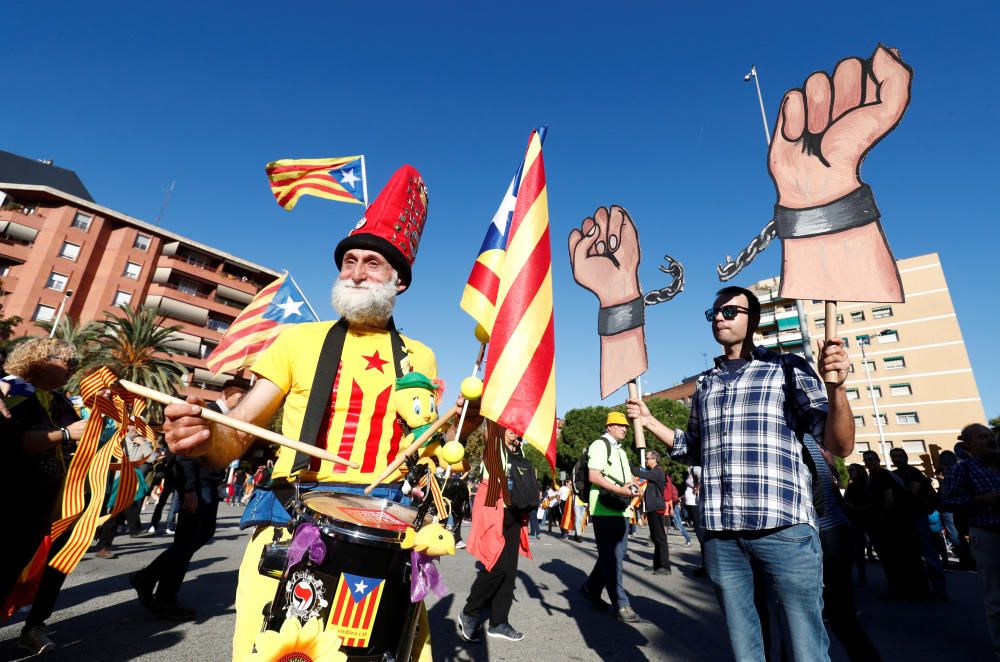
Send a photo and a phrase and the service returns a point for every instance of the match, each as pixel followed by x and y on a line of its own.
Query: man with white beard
pixel 336 381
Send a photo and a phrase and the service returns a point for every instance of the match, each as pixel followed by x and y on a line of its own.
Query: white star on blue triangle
pixel 288 306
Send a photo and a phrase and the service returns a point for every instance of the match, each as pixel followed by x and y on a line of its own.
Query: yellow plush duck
pixel 432 539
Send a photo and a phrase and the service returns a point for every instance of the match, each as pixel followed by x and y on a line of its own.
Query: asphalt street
pixel 98 618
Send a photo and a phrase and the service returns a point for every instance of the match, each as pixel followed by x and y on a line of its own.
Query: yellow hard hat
pixel 616 418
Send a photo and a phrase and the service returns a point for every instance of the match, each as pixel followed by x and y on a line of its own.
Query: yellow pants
pixel 255 590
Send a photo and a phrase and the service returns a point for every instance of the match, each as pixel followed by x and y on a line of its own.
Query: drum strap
pixel 326 372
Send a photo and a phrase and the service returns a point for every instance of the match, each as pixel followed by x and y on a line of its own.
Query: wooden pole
pixel 412 448
pixel 242 426
pixel 640 437
pixel 829 333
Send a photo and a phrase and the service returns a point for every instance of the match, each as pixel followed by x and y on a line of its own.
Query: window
pixel 869 365
pixel 907 418
pixel 888 337
pixel 915 446
pixel 859 421
pixel 850 368
pixel 817 301
pixel 820 322
pixel 862 447
pixel 56 282
pixel 217 325
pixel 840 319
pixel 197 260
pixel 858 316
pixel 44 313
pixel 141 242
pixel 894 363
pixel 881 312
pixel 187 287
pixel 900 389
pixel 122 298
pixel 883 419
pixel 132 270
pixel 69 250
pixel 877 391
pixel 852 394
pixel 847 343
pixel 81 221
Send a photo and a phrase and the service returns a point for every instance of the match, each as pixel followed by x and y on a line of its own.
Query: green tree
pixel 995 424
pixel 132 346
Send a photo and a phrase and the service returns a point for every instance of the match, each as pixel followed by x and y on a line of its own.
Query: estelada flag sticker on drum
pixel 355 605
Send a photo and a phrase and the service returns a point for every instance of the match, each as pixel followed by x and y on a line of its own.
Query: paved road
pixel 98 618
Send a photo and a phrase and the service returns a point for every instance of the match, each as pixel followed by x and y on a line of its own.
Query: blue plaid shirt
pixel 742 433
pixel 965 480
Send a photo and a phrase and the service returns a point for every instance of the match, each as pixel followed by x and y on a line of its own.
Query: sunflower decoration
pixel 298 643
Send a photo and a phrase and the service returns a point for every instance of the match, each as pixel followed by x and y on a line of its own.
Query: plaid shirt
pixel 965 480
pixel 742 432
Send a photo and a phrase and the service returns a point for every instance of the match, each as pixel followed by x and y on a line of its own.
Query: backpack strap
pixel 819 496
pixel 321 391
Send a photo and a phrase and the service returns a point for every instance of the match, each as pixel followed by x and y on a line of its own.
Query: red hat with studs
pixel 393 223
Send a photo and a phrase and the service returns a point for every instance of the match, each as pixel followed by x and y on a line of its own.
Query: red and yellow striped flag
pixel 520 384
pixel 254 329
pixel 293 178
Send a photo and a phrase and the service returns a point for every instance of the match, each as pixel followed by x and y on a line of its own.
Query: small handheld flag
pixel 341 179
pixel 258 325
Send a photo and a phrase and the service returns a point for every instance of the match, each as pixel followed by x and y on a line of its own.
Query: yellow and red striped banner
pixel 520 384
pixel 292 178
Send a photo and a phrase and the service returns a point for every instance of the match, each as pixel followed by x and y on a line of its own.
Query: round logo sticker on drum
pixel 305 595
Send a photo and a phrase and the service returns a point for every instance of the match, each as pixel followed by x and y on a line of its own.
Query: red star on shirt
pixel 374 362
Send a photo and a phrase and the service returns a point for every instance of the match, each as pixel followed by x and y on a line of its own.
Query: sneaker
pixel 662 571
pixel 687 543
pixel 468 626
pixel 170 531
pixel 504 631
pixel 628 615
pixel 577 539
pixel 105 553
pixel 460 544
pixel 36 640
pixel 172 611
pixel 152 531
pixel 143 589
pixel 594 598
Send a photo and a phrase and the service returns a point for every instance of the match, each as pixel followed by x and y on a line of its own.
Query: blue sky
pixel 646 107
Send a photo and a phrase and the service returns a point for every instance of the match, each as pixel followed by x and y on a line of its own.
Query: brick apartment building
pixel 55 240
pixel 921 375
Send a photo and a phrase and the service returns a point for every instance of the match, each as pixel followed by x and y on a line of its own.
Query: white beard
pixel 365 304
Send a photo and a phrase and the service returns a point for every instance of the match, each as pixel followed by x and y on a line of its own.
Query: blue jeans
pixel 680 525
pixel 611 533
pixel 790 561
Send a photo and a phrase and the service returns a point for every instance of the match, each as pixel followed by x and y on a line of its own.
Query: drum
pixel 361 588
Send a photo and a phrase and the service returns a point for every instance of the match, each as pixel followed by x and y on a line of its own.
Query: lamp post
pixel 62 306
pixel 864 341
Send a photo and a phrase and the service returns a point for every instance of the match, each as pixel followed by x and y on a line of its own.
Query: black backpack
pixel 522 484
pixel 581 473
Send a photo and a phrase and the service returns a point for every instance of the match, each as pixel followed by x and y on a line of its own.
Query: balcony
pixel 203 301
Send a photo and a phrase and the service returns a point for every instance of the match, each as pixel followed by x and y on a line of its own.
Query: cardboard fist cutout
pixel 833 246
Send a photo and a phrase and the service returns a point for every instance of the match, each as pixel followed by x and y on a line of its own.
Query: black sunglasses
pixel 728 312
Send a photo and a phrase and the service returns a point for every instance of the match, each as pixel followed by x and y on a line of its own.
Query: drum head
pixel 359 514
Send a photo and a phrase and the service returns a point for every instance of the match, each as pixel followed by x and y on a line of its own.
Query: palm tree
pixel 129 345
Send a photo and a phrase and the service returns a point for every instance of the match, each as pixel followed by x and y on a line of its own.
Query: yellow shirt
pixel 362 424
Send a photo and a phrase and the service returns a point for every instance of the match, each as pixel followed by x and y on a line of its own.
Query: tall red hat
pixel 393 223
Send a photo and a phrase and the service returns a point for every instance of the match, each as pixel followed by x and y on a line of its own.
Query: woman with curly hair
pixel 35 443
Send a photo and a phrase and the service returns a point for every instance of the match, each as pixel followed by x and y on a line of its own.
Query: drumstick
pixel 248 428
pixel 412 448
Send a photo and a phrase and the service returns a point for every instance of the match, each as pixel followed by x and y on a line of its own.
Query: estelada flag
pixel 519 389
pixel 276 305
pixel 480 295
pixel 340 179
pixel 355 605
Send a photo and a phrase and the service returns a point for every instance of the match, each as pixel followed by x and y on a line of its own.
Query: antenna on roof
pixel 166 201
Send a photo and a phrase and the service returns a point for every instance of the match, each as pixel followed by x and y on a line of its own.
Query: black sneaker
pixel 172 611
pixel 143 589
pixel 468 626
pixel 504 631
pixel 662 571
pixel 594 598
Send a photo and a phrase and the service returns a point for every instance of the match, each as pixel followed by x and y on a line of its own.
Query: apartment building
pixel 60 249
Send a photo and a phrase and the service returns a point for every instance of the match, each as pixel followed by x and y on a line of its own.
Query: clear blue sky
pixel 645 102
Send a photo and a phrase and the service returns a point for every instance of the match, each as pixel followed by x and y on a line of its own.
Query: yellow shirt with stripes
pixel 361 422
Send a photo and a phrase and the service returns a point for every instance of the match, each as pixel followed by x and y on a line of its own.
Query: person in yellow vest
pixel 358 420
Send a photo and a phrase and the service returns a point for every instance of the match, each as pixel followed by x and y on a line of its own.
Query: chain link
pixel 674 269
pixel 746 256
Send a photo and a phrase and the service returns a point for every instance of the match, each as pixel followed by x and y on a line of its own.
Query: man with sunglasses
pixel 748 415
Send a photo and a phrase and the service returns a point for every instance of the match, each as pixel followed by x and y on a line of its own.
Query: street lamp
pixel 62 306
pixel 864 341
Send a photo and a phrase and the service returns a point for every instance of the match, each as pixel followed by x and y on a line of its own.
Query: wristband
pixel 65 435
pixel 623 317
pixel 855 209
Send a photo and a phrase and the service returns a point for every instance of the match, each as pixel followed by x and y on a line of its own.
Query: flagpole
pixel 364 183
pixel 304 297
